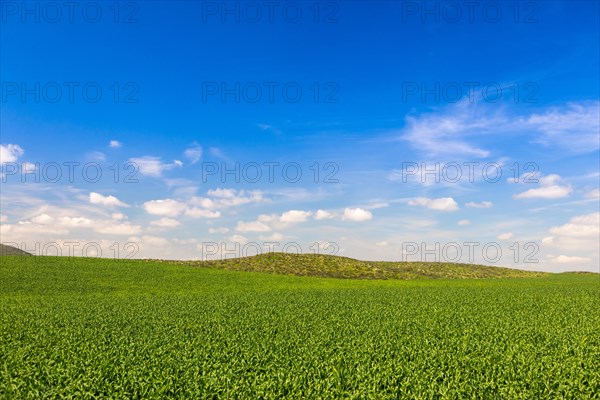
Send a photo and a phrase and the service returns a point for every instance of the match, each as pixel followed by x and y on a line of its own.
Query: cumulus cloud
pixel 124 228
pixel 323 214
pixel 223 198
pixel 252 226
pixel 439 204
pixel 464 222
pixel 115 144
pixel 357 214
pixel 593 194
pixel 109 201
pixel 550 187
pixel 42 219
pixel 218 230
pixel 166 207
pixel 275 237
pixel 505 236
pixel 562 259
pixel 294 216
pixel 483 204
pixel 237 239
pixel 154 241
pixel 581 226
pixel 10 153
pixel 153 166
pixel 165 223
pixel 196 212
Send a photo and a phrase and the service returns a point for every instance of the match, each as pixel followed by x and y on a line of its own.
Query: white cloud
pixel 166 207
pixel 573 127
pixel 464 222
pixel 294 216
pixel 109 201
pixel 196 212
pixel 118 216
pixel 452 131
pixel 218 230
pixel 447 133
pixel 322 214
pixel 440 204
pixel 96 156
pixel 551 187
pixel 253 226
pixel 383 243
pixel 562 259
pixel 165 223
pixel 154 241
pixel 505 236
pixel 152 166
pixel 275 237
pixel 10 153
pixel 593 194
pixel 28 167
pixel 115 144
pixel 237 239
pixel 3 218
pixel 223 198
pixel 193 153
pixel 357 214
pixel 118 229
pixel 580 227
pixel 75 222
pixel 483 204
pixel 43 219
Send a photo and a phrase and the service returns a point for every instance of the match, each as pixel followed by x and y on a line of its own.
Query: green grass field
pixel 97 328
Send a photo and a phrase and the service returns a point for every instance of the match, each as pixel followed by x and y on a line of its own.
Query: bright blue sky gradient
pixel 371 58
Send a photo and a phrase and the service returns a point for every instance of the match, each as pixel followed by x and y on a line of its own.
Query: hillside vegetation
pixel 321 265
pixel 12 251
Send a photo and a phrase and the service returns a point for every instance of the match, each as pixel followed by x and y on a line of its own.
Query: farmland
pixel 96 328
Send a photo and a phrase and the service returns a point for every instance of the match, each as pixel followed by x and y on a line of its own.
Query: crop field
pixel 97 328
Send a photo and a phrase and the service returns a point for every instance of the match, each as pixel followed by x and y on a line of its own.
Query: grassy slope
pixel 130 329
pixel 12 251
pixel 343 267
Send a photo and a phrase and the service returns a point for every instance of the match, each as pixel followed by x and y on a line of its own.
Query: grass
pixel 321 265
pixel 97 328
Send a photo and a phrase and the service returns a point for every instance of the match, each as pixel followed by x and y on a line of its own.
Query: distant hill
pixel 12 251
pixel 321 265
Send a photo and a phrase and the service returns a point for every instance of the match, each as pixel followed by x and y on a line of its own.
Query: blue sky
pixel 369 94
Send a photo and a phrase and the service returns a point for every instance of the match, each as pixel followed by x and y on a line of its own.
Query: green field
pixel 96 328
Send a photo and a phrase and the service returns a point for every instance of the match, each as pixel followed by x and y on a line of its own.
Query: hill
pixel 321 265
pixel 12 251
